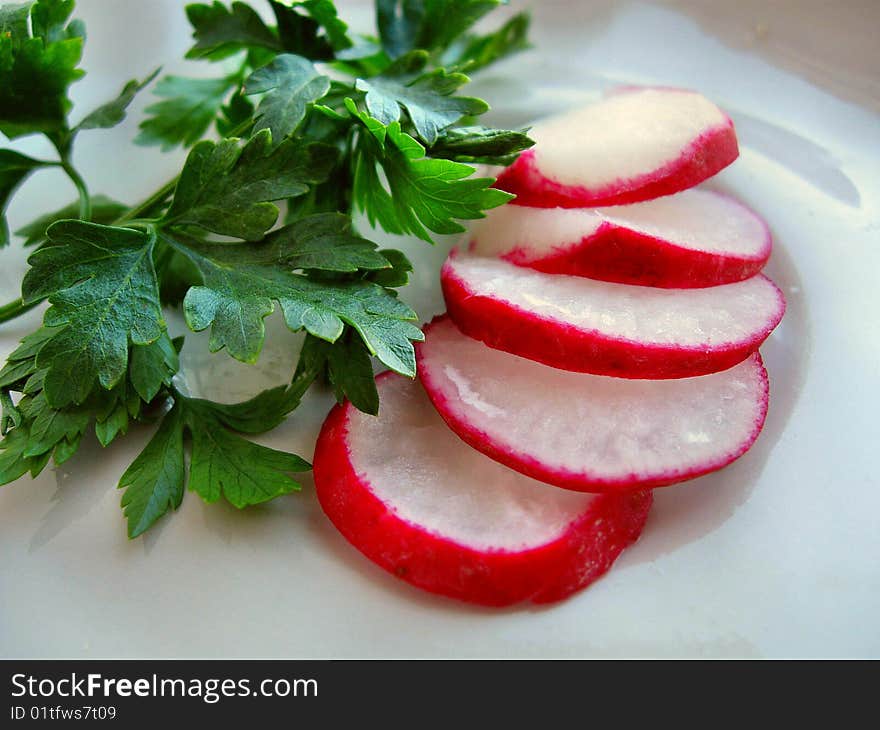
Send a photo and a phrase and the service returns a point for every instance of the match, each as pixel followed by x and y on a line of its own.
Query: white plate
pixel 775 556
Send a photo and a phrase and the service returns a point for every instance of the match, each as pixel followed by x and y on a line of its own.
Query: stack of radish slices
pixel 589 355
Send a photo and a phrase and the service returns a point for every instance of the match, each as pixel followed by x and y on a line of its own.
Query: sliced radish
pixel 694 239
pixel 636 144
pixel 609 329
pixel 590 433
pixel 417 501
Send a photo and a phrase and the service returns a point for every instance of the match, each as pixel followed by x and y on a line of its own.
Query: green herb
pixel 315 121
pixel 220 31
pixel 102 285
pixel 473 51
pixel 104 210
pixel 241 284
pixel 428 98
pixel 226 187
pixel 424 194
pixel 290 84
pixel 14 170
pixel 37 67
pixel 222 463
pixel 113 112
pixel 188 108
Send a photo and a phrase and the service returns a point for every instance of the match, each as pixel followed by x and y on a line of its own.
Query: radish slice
pixel 417 501
pixel 694 239
pixel 590 432
pixel 636 144
pixel 609 329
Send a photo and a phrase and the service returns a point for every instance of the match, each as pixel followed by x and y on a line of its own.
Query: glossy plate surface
pixel 774 556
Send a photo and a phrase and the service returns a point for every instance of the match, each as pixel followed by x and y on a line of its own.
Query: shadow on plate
pixel 73 499
pixel 686 512
pixel 800 155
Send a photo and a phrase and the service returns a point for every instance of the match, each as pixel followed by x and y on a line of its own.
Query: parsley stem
pixel 14 309
pixel 147 206
pixel 85 200
pixel 140 222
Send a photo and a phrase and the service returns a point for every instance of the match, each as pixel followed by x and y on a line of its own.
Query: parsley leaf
pixel 395 276
pixel 10 416
pixel 423 193
pixel 323 12
pixel 239 110
pixel 427 98
pixel 348 367
pixel 13 462
pixel 226 465
pixel 405 25
pixel 44 432
pixel 102 286
pixel 290 83
pixel 113 425
pixel 242 284
pixel 14 20
pixel 300 32
pixel 225 188
pixel 153 366
pixel 104 210
pixel 49 426
pixel 482 145
pixel 399 24
pixel 26 352
pixel 15 372
pixel 14 170
pixel 113 112
pixel 220 31
pixel 222 463
pixel 36 72
pixel 176 275
pixel 188 108
pixel 473 52
pixel 36 431
pixel 264 411
pixel 154 482
pixel 324 241
pixel 49 20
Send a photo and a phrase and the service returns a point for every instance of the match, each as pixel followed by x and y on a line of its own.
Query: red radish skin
pixel 555 342
pixel 552 571
pixel 614 244
pixel 693 435
pixel 703 155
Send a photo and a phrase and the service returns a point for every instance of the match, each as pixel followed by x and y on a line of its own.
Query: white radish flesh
pixel 590 432
pixel 696 238
pixel 635 144
pixel 415 499
pixel 609 329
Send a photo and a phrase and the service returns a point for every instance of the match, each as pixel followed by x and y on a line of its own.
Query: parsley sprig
pixel 304 114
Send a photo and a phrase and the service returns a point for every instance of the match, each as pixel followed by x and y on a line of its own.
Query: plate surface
pixel 774 556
